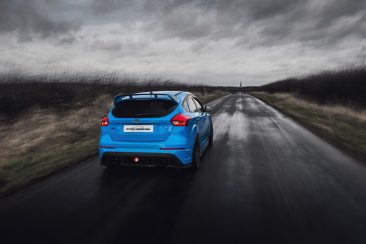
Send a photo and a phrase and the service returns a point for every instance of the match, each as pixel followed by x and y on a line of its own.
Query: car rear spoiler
pixel 120 97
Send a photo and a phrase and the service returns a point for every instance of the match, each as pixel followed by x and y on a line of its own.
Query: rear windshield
pixel 143 108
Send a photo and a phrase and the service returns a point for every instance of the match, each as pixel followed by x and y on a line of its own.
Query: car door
pixel 203 121
pixel 196 118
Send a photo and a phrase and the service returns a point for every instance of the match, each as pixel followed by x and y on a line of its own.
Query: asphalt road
pixel 266 180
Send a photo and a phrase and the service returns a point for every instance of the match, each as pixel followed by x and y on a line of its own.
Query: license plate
pixel 138 128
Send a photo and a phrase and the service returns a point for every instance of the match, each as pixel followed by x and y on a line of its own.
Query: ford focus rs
pixel 167 128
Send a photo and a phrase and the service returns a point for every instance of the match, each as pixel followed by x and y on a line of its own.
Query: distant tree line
pixel 346 86
pixel 19 92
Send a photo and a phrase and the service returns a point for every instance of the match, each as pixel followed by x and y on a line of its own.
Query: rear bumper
pixel 179 145
pixel 184 157
pixel 145 159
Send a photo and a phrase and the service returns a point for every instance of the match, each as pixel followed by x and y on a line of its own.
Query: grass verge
pixel 342 126
pixel 45 140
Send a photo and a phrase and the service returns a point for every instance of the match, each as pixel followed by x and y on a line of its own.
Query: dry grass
pixel 45 140
pixel 343 126
pixel 206 97
pixel 331 110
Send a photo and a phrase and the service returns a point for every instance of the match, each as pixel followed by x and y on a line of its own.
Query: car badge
pixel 136 120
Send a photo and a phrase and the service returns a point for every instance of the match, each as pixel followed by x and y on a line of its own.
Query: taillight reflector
pixel 180 120
pixel 104 121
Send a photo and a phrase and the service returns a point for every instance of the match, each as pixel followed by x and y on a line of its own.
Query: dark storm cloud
pixel 316 22
pixel 309 21
pixel 334 10
pixel 40 17
pixel 320 22
pixel 221 38
pixel 103 7
pixel 265 9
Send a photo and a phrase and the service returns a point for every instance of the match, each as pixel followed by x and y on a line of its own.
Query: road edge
pixel 321 134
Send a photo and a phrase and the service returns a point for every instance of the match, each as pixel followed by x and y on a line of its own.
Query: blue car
pixel 161 128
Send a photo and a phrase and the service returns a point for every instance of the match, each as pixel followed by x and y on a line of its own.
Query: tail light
pixel 180 120
pixel 104 121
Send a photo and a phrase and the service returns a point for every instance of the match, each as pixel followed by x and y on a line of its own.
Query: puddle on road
pixel 234 125
pixel 239 104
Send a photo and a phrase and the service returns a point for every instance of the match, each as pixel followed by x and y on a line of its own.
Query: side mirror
pixel 208 108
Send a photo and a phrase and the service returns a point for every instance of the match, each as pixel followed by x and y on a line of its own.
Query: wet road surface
pixel 265 180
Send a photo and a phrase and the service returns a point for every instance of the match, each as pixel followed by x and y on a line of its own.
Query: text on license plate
pixel 138 128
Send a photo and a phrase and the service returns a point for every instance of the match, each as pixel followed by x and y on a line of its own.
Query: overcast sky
pixel 214 42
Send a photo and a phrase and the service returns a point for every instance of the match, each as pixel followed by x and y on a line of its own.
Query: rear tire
pixel 196 156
